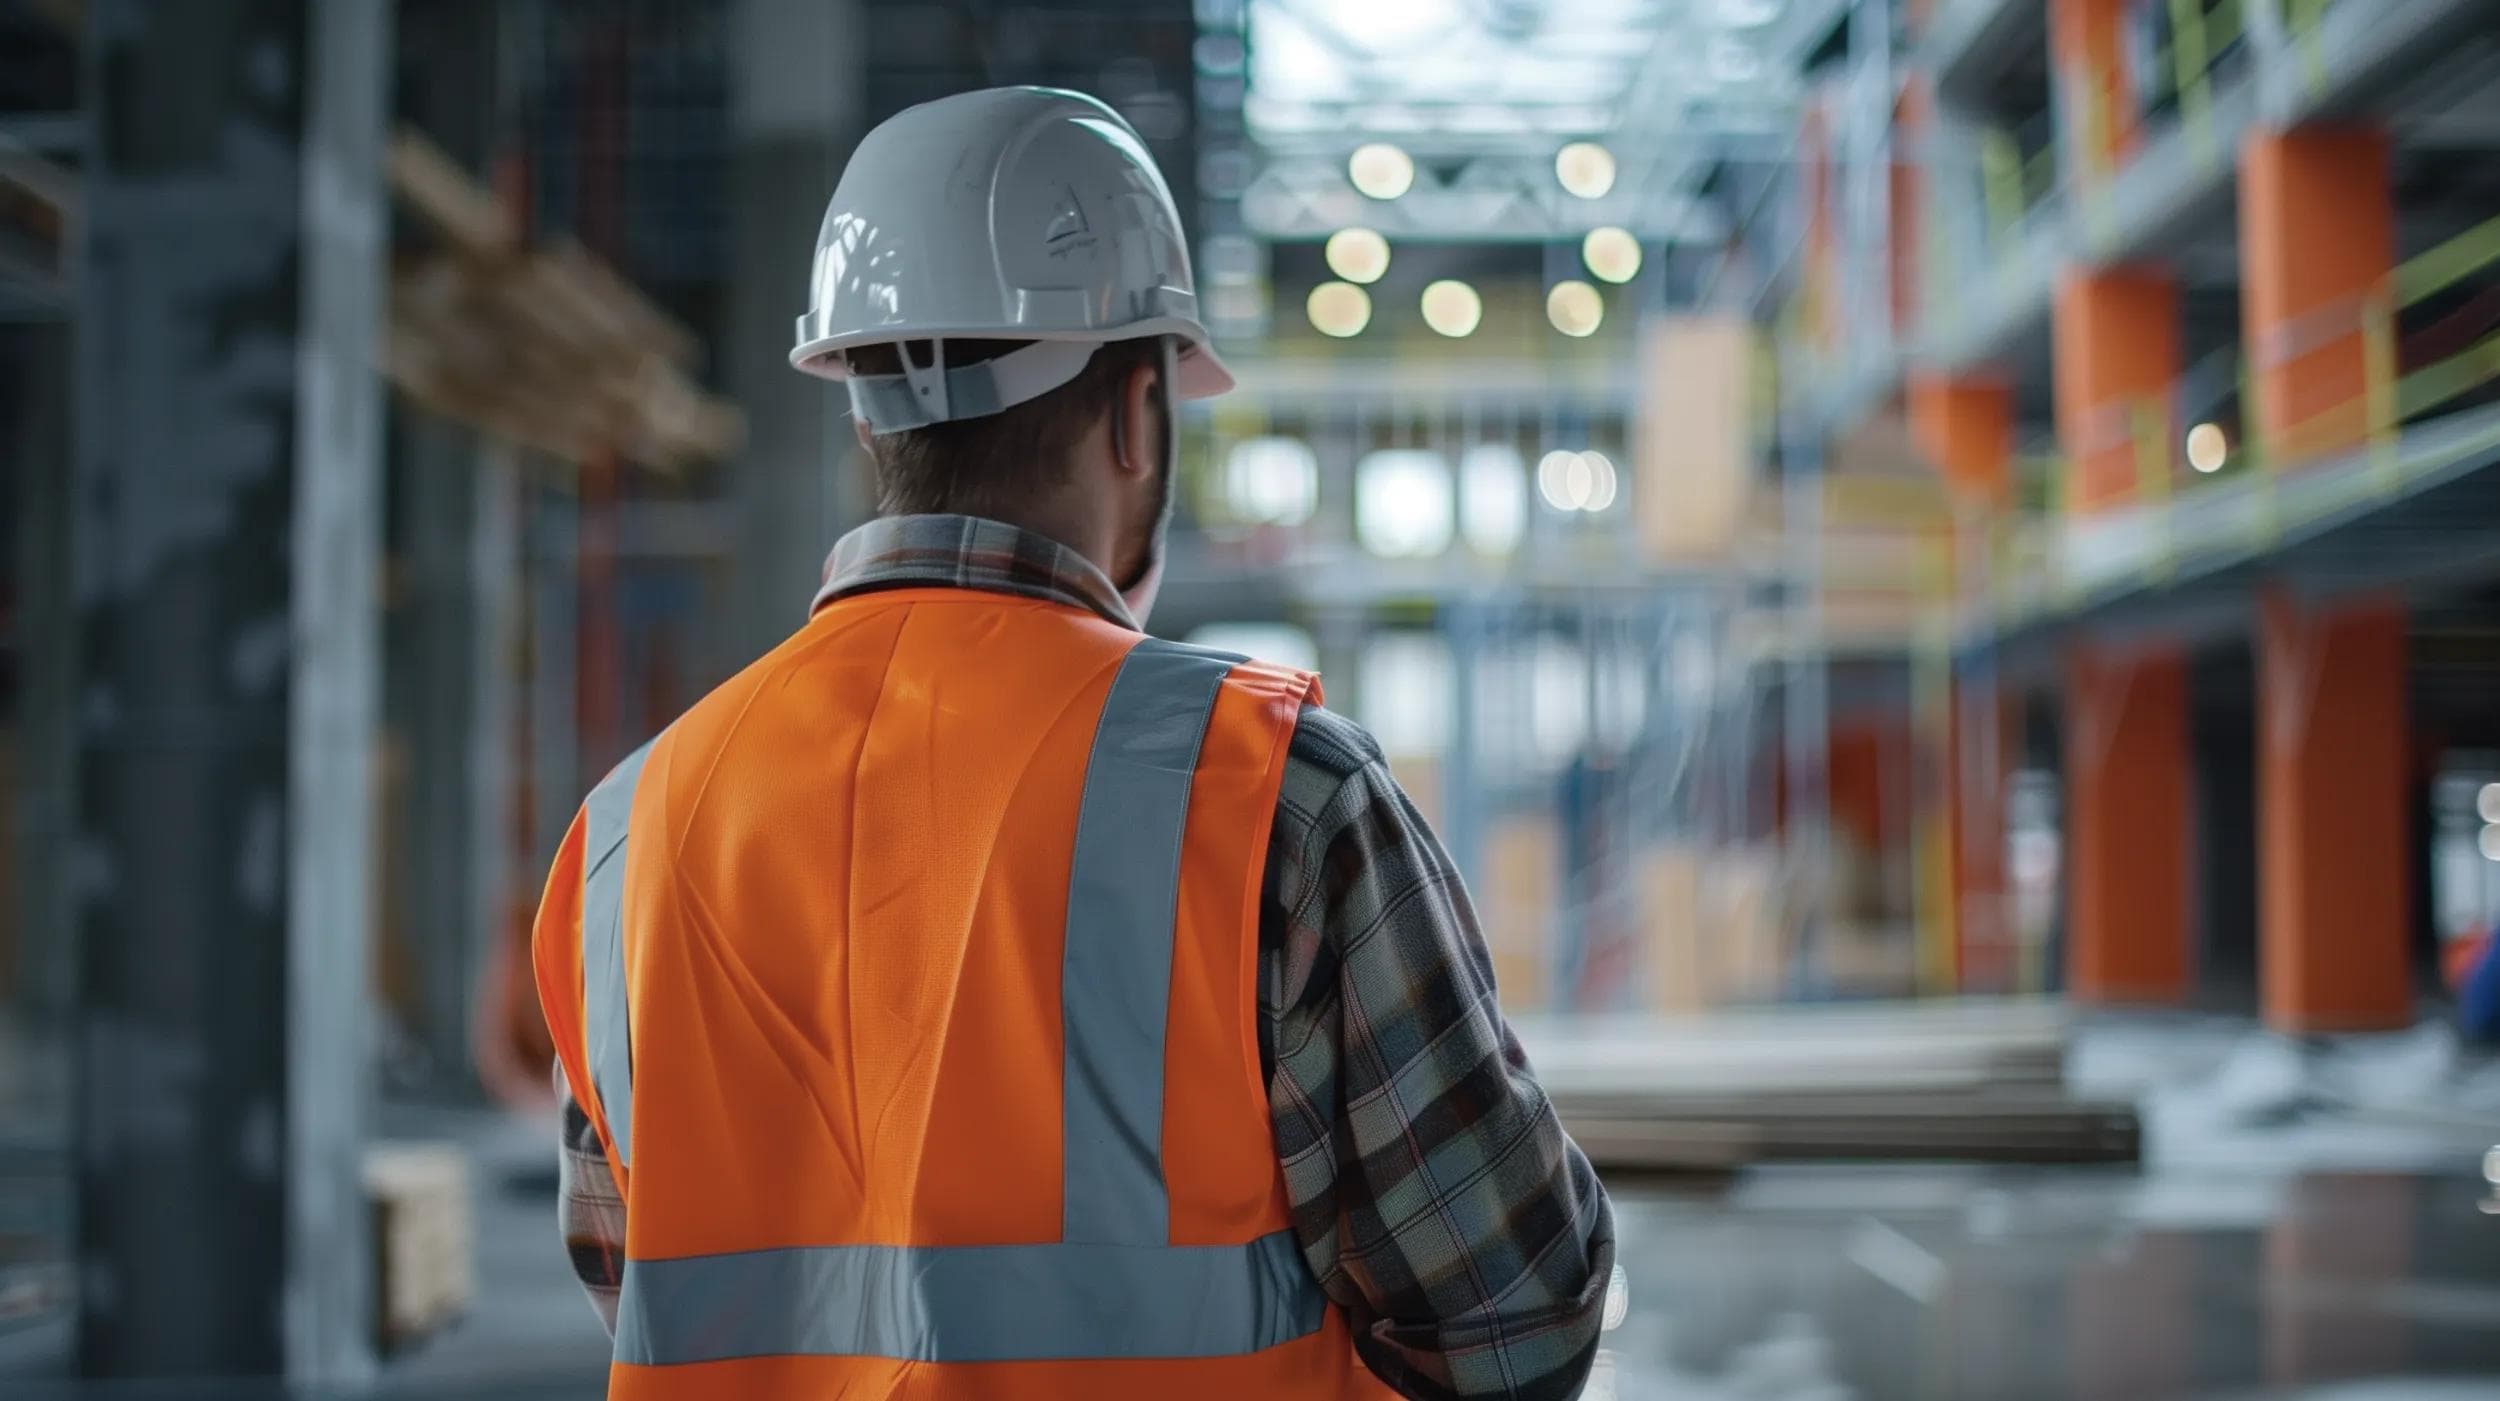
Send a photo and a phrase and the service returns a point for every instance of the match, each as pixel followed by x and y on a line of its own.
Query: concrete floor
pixel 2284 1239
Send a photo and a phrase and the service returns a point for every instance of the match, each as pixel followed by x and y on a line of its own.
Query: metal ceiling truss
pixel 1485 198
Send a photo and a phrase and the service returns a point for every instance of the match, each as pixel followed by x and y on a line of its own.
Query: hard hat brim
pixel 1203 374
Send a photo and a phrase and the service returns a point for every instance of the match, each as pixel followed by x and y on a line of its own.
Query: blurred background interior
pixel 1933 563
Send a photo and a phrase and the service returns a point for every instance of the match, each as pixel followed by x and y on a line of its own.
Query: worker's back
pixel 916 979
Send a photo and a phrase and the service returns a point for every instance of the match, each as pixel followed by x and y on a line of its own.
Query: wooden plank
pixel 459 209
pixel 1760 1067
pixel 2048 1131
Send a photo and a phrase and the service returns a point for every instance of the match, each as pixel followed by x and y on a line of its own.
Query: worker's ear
pixel 1136 432
pixel 859 430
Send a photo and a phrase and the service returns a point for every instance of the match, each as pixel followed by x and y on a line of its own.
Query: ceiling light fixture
pixel 1575 308
pixel 1611 253
pixel 2207 448
pixel 1339 309
pixel 1358 255
pixel 1383 171
pixel 1585 169
pixel 1452 308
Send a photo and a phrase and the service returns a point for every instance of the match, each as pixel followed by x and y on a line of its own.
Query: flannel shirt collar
pixel 967 552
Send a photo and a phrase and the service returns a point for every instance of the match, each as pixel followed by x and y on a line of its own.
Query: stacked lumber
pixel 1966 1081
pixel 546 347
pixel 423 1249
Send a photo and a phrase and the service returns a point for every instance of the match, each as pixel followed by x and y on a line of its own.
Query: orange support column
pixel 2317 240
pixel 2334 903
pixel 2116 344
pixel 2127 827
pixel 2096 88
pixel 1965 425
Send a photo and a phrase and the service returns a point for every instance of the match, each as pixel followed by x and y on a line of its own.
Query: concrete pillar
pixel 2095 87
pixel 2317 242
pixel 2115 340
pixel 2334 756
pixel 226 540
pixel 796 78
pixel 2127 827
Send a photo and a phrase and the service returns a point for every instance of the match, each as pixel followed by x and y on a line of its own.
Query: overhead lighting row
pixel 1385 171
pixel 1361 255
pixel 1451 307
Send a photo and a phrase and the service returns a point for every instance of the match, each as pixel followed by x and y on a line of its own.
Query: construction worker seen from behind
pixel 976 997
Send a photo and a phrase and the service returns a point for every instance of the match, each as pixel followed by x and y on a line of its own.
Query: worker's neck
pixel 1089 528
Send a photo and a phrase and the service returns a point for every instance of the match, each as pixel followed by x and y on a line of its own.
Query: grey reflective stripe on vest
pixel 1113 1287
pixel 977 1303
pixel 1116 981
pixel 606 1030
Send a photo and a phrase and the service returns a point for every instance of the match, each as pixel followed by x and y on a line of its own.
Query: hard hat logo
pixel 1022 214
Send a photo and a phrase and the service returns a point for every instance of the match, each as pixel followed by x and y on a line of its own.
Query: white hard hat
pixel 1025 214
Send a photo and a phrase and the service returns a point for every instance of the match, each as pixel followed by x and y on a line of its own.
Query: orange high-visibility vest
pixel 911 980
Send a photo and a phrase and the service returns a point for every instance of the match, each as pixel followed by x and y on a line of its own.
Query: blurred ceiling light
pixel 1358 255
pixel 1403 503
pixel 1339 309
pixel 1611 253
pixel 2489 842
pixel 1602 484
pixel 1549 478
pixel 1565 480
pixel 2487 802
pixel 1492 498
pixel 1452 308
pixel 1271 481
pixel 1585 169
pixel 1383 171
pixel 1575 308
pixel 2207 449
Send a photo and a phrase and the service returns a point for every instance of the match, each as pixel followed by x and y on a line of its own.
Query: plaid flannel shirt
pixel 1437 1199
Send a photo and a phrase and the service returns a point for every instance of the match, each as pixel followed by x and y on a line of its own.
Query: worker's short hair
pixel 989 465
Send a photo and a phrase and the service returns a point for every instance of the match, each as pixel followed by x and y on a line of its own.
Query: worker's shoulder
pixel 727 710
pixel 1330 747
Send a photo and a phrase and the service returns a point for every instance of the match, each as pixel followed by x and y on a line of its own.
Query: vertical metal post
pixel 797 69
pixel 1806 721
pixel 226 542
pixel 428 703
pixel 47 730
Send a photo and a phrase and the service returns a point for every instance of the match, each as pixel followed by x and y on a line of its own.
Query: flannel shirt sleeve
pixel 1433 1191
pixel 590 1212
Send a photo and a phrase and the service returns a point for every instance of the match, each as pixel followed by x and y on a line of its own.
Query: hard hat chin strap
pixel 936 392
